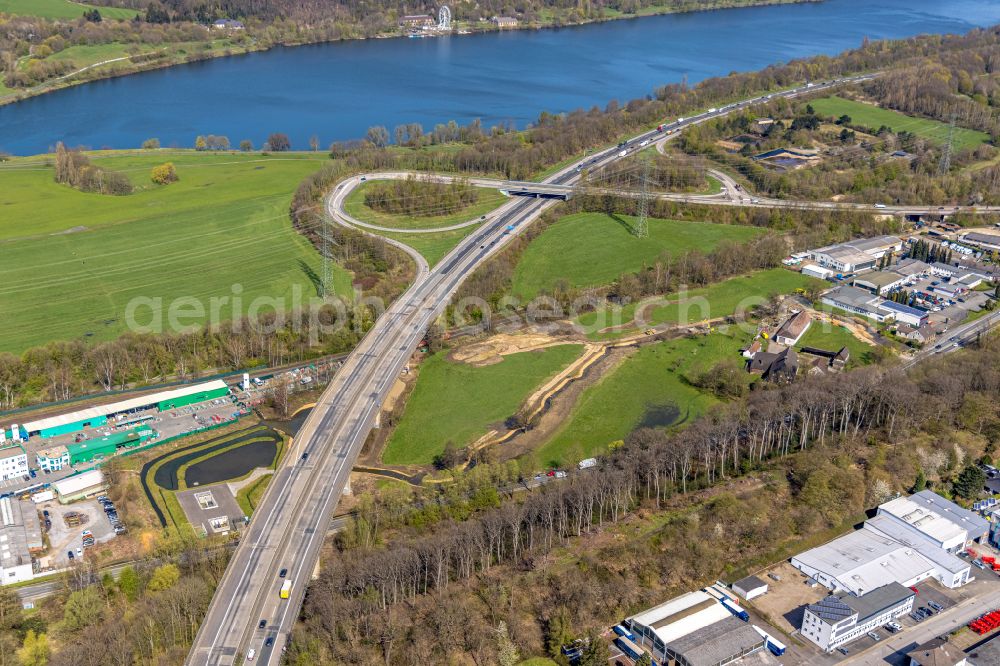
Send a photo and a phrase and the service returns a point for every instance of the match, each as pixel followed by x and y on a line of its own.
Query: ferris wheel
pixel 444 18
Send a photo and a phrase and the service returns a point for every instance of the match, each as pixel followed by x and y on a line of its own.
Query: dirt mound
pixel 493 349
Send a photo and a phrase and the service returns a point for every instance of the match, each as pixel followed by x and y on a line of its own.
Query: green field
pixel 60 9
pixel 873 117
pixel 594 249
pixel 73 261
pixel 655 378
pixel 722 299
pixel 822 336
pixel 489 200
pixel 457 402
pixel 432 246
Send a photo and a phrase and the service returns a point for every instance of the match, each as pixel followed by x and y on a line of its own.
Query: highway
pixel 290 524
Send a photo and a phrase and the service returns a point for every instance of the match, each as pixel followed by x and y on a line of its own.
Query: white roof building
pixel 938 520
pixel 862 561
pixel 909 540
pixel 20 534
pixel 694 629
pixel 79 485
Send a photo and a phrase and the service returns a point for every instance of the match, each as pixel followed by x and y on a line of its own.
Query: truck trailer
pixel 286 589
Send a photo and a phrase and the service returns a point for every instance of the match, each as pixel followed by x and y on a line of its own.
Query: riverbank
pixel 159 56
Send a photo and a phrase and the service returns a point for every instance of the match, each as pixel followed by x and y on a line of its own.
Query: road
pixel 288 528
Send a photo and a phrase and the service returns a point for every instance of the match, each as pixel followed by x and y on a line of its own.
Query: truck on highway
pixel 623 153
pixel 660 128
pixel 286 589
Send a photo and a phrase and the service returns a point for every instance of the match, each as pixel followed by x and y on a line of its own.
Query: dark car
pixel 45 513
pixel 282 573
pixel 843 650
pixel 70 553
pixel 269 641
pixel 262 624
pixel 305 456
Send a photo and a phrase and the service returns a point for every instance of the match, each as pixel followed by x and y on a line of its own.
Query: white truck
pixel 587 463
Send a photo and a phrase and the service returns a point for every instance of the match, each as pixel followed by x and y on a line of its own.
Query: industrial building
pixel 20 537
pixel 880 283
pixel 857 255
pixel 13 462
pixel 100 448
pixel 936 519
pixel 94 417
pixel 79 486
pixel 694 629
pixel 910 539
pixel 984 241
pixel 867 304
pixel 840 619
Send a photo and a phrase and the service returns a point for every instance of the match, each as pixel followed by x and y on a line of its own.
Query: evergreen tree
pixel 970 482
pixel 921 482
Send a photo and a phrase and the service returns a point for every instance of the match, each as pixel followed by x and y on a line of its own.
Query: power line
pixel 946 157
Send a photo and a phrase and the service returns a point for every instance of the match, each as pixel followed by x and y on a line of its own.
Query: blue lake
pixel 337 90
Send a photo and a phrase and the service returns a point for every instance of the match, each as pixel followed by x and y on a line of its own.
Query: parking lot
pixel 64 538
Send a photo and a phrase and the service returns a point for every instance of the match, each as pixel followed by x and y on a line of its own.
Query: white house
pixel 13 462
pixel 52 459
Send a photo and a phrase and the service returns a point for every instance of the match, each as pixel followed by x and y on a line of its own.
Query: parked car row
pixel 112 514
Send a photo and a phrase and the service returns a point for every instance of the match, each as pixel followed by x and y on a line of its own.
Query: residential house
pixel 778 367
pixel 227 24
pixel 504 21
pixel 921 335
pixel 937 652
pixel 417 21
pixel 792 330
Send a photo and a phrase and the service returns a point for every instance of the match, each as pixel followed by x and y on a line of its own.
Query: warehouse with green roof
pixel 100 448
pixel 95 417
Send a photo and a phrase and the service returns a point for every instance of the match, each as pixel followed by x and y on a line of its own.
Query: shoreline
pixel 69 80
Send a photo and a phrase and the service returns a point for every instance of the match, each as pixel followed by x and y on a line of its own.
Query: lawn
pixel 593 249
pixel 60 9
pixel 824 336
pixel 489 200
pixel 74 261
pixel 722 299
pixel 873 117
pixel 650 387
pixel 458 403
pixel 432 246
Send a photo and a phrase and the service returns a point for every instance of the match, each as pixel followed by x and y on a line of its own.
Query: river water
pixel 336 91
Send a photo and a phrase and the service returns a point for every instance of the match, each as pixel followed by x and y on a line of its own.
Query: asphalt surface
pixel 289 525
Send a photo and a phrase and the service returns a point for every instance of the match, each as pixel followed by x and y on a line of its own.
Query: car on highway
pixel 262 624
pixel 251 653
pixel 305 456
pixel 879 206
pixel 269 641
pixel 282 573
